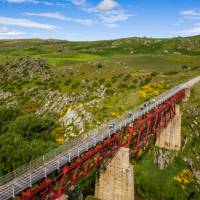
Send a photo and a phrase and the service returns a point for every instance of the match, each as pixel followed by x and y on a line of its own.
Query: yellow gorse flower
pixel 152 89
pixel 185 177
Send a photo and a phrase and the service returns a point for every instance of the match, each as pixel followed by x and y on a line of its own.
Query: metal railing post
pixel 13 191
pixel 30 180
pixel 58 164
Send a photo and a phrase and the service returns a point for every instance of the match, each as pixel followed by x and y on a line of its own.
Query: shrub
pixel 153 74
pixel 68 81
pixel 99 65
pixel 127 77
pixel 170 73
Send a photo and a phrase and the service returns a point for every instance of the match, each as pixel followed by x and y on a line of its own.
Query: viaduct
pixel 51 176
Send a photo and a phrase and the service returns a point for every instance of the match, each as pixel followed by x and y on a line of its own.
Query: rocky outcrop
pixel 7 97
pixel 162 158
pixel 55 101
pixel 75 119
pixel 24 68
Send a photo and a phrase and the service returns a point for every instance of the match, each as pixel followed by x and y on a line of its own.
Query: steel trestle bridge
pixel 51 175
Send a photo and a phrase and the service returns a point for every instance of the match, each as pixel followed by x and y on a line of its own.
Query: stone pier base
pixel 187 95
pixel 170 137
pixel 116 181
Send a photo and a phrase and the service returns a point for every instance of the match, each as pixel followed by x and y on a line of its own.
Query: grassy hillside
pixel 53 91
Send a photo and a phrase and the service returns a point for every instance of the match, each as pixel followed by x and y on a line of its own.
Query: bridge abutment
pixel 170 137
pixel 116 182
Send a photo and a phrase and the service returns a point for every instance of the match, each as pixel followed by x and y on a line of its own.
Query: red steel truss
pixel 135 136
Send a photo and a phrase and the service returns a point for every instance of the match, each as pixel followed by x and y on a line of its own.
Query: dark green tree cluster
pixel 23 138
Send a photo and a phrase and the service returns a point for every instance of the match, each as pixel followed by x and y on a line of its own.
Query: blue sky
pixel 98 19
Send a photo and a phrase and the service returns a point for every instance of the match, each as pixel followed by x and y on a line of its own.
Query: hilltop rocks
pixel 24 67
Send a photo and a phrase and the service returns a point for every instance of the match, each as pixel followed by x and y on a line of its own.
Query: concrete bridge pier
pixel 116 182
pixel 187 95
pixel 170 137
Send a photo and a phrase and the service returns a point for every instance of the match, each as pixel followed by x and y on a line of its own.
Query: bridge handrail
pixel 14 182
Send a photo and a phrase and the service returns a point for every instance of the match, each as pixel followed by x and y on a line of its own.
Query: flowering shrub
pixel 58 133
pixel 60 140
pixel 185 177
pixel 152 89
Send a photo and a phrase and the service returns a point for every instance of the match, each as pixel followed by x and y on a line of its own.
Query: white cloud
pixel 25 23
pixel 109 12
pixel 191 31
pixel 190 14
pixel 87 22
pixel 112 25
pixel 49 15
pixel 5 32
pixel 22 1
pixel 114 16
pixel 78 2
pixel 14 33
pixel 46 3
pixel 107 5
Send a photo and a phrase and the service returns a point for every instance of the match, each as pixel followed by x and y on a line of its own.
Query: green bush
pixel 153 74
pixel 23 138
pixel 7 115
pixel 170 73
pixel 31 126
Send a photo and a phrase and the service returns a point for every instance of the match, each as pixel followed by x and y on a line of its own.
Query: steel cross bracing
pixel 52 174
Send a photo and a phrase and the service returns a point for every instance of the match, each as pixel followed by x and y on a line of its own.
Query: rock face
pixel 72 114
pixel 195 172
pixel 56 101
pixel 76 119
pixel 162 158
